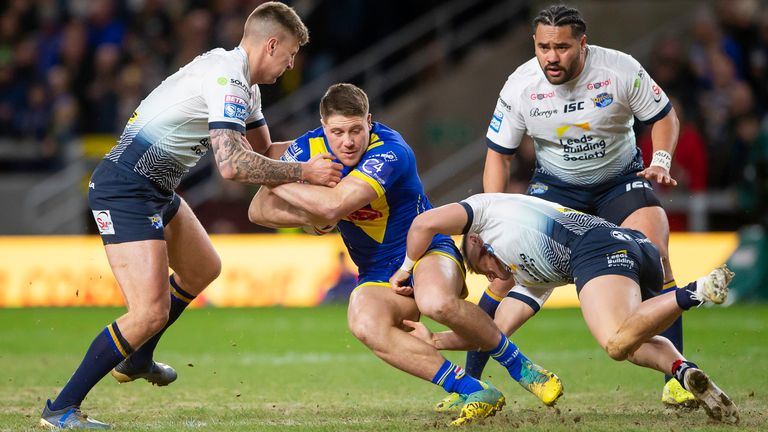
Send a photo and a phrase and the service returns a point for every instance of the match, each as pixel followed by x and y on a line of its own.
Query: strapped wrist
pixel 662 159
pixel 407 264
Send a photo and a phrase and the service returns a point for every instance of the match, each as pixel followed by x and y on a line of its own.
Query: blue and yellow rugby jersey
pixel 375 235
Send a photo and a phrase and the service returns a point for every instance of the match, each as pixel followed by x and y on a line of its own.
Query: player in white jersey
pixel 213 102
pixel 541 245
pixel 578 102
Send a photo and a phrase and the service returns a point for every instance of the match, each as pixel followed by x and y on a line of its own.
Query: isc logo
pixel 639 184
pixel 573 106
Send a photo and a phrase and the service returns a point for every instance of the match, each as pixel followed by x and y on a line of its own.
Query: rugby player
pixel 213 102
pixel 374 203
pixel 578 103
pixel 541 245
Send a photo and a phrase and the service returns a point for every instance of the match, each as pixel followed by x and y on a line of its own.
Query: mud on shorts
pixel 128 207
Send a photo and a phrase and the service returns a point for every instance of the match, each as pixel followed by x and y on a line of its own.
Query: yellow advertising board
pixel 257 270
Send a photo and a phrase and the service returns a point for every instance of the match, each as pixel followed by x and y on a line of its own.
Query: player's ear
pixel 370 120
pixel 271 45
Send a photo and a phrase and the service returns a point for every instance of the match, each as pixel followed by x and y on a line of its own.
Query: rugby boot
pixel 454 401
pixel 675 396
pixel 480 404
pixel 713 288
pixel 159 374
pixel 542 383
pixel 68 418
pixel 716 403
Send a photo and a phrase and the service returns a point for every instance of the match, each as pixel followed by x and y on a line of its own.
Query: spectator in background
pixel 753 187
pixel 344 283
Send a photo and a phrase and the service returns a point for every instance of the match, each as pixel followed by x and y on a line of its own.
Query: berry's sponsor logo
pixel 536 112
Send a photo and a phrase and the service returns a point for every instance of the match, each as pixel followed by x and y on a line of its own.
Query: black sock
pixel 679 368
pixel 686 297
pixel 107 350
pixel 142 358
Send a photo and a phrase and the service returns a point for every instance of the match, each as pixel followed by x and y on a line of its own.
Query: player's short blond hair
pixel 344 99
pixel 270 14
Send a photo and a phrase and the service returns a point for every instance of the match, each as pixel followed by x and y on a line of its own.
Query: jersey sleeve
pixel 228 99
pixel 256 117
pixel 507 126
pixel 476 207
pixel 647 100
pixel 382 167
pixel 298 151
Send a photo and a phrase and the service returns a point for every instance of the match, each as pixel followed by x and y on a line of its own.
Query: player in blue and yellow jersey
pixel 380 194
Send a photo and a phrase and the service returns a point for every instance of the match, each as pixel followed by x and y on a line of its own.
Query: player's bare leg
pixel 375 315
pixel 438 283
pixel 141 269
pixel 607 301
pixel 656 314
pixel 196 264
pixel 652 221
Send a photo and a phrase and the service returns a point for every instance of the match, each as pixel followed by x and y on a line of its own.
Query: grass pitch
pixel 300 369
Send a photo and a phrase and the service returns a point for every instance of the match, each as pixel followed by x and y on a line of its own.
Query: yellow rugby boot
pixel 453 401
pixel 542 383
pixel 480 404
pixel 675 396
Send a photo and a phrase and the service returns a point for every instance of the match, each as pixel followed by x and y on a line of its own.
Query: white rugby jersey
pixel 168 132
pixel 582 129
pixel 532 236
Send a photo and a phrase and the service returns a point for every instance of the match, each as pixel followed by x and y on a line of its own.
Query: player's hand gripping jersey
pixel 376 234
pixel 582 129
pixel 168 132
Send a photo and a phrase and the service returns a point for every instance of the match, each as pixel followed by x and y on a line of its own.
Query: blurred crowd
pixel 75 67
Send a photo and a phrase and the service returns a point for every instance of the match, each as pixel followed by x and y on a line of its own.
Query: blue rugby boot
pixel 68 418
pixel 159 374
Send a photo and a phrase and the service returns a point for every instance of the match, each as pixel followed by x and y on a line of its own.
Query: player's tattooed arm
pixel 237 163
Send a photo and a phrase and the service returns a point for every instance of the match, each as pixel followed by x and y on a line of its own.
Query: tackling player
pixel 374 204
pixel 578 103
pixel 541 245
pixel 213 102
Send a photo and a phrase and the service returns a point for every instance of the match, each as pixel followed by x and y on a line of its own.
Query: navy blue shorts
pixel 617 251
pixel 613 200
pixel 128 207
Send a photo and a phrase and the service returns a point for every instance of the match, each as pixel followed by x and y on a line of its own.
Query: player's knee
pixel 441 310
pixel 616 350
pixel 214 269
pixel 363 327
pixel 153 319
pixel 196 279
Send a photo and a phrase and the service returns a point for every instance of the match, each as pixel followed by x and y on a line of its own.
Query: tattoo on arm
pixel 249 167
